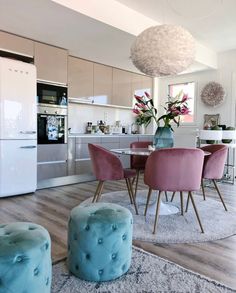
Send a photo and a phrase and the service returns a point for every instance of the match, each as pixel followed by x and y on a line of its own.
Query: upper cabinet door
pixel 15 44
pixel 141 84
pixel 80 79
pixel 102 84
pixel 122 88
pixel 51 63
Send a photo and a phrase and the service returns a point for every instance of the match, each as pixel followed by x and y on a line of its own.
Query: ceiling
pixel 211 22
pixel 87 38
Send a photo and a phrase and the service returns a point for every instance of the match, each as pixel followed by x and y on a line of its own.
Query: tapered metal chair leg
pixel 100 191
pixel 186 209
pixel 172 197
pixel 166 195
pixel 203 190
pixel 148 199
pixel 157 212
pixel 132 195
pixel 136 185
pixel 218 191
pixel 196 212
pixel 129 192
pixel 181 203
pixel 97 191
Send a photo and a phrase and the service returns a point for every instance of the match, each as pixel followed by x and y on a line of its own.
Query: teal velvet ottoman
pixel 99 241
pixel 25 258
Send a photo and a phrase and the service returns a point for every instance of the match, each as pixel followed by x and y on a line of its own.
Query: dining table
pixel 166 208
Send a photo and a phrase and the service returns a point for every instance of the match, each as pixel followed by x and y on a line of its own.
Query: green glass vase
pixel 163 138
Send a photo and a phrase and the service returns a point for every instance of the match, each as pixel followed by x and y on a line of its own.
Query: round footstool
pixel 25 258
pixel 99 241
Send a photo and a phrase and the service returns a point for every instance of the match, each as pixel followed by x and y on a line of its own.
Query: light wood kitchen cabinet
pixel 15 44
pixel 102 84
pixel 80 79
pixel 140 84
pixel 51 63
pixel 122 88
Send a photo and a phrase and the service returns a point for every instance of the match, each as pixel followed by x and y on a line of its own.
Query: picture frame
pixel 211 120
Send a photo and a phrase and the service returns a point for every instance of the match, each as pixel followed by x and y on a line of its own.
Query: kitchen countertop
pixel 105 135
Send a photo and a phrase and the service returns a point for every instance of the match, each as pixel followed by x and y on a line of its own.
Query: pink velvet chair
pixel 213 167
pixel 107 166
pixel 138 162
pixel 175 169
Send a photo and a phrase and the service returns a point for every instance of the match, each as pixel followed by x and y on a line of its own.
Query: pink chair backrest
pixel 138 162
pixel 174 169
pixel 106 166
pixel 213 167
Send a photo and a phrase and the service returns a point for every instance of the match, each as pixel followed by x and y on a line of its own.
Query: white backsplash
pixel 80 114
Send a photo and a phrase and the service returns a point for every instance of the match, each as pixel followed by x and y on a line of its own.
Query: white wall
pixel 80 114
pixel 225 74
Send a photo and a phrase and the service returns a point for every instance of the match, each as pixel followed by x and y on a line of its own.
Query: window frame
pixel 194 122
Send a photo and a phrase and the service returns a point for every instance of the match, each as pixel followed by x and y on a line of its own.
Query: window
pixel 187 88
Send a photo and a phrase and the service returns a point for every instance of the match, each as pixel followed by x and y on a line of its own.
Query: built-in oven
pixel 52 125
pixel 52 94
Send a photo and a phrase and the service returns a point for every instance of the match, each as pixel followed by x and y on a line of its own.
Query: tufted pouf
pixel 25 258
pixel 99 241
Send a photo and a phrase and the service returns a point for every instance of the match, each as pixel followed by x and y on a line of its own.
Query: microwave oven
pixel 51 94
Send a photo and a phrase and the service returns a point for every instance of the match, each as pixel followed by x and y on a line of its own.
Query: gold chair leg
pixel 132 195
pixel 166 195
pixel 203 190
pixel 157 212
pixel 100 191
pixel 181 203
pixel 186 209
pixel 136 185
pixel 218 191
pixel 97 191
pixel 172 197
pixel 128 188
pixel 148 199
pixel 196 212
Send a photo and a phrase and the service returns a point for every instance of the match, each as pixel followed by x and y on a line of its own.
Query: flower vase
pixel 142 129
pixel 163 138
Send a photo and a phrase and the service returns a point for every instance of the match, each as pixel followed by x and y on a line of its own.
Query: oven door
pixel 52 129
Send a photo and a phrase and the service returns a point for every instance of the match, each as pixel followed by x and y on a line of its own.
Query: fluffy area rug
pixel 175 228
pixel 148 273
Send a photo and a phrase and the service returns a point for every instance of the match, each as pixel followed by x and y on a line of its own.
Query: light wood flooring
pixel 51 207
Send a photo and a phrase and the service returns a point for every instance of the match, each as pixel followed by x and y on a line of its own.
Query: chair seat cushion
pixel 129 173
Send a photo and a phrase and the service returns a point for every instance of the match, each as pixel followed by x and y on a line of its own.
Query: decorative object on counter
pixel 175 107
pixel 163 50
pixel 211 120
pixel 213 94
pixel 102 125
pixel 229 134
pixel 89 127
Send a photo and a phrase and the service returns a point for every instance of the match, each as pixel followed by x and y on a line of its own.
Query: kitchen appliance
pixel 52 94
pixel 18 128
pixel 52 125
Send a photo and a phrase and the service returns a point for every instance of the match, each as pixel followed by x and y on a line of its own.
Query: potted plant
pixel 174 108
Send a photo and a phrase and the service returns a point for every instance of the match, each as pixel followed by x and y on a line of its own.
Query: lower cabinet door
pixel 51 170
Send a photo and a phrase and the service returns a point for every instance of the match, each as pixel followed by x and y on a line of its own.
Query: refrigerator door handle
pixel 27 132
pixel 28 147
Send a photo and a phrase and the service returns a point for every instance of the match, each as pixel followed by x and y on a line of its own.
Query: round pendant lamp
pixel 163 50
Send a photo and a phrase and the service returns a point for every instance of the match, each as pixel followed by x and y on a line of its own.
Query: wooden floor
pixel 51 207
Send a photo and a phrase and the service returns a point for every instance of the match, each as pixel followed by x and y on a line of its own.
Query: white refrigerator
pixel 18 128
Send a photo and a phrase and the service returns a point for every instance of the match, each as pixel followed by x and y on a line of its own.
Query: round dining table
pixel 166 208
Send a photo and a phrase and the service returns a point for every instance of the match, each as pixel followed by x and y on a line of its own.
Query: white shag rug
pixel 148 273
pixel 217 223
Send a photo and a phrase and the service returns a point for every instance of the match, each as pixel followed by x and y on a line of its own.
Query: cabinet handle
pixel 28 147
pixel 27 132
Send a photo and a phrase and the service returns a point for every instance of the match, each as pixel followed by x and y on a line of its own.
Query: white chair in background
pixel 230 135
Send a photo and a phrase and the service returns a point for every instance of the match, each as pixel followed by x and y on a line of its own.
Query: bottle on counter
pixel 89 127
